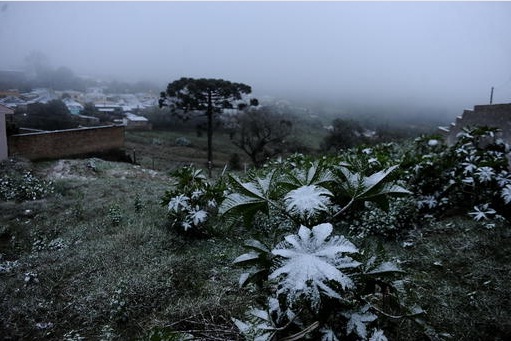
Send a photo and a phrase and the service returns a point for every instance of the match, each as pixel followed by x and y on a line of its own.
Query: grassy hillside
pixel 97 256
pixel 97 260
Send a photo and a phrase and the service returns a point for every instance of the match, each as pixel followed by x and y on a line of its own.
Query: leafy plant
pixel 20 184
pixel 115 214
pixel 472 172
pixel 307 262
pixel 192 201
pixel 319 276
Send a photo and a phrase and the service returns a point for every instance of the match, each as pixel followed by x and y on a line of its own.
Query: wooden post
pixel 491 96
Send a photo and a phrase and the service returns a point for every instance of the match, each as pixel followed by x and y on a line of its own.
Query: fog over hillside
pixel 407 58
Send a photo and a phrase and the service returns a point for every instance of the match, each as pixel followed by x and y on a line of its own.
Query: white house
pixel 132 121
pixel 4 111
pixel 73 106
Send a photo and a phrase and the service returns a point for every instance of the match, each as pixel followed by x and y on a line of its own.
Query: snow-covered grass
pixel 68 267
pixel 69 271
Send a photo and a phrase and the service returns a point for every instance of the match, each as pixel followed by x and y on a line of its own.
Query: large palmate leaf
pixel 316 174
pixel 370 188
pixel 307 201
pixel 264 324
pixel 309 261
pixel 357 320
pixel 258 327
pixel 259 259
pixel 249 198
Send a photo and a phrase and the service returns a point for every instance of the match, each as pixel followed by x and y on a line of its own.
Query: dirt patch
pixel 69 169
pixel 91 169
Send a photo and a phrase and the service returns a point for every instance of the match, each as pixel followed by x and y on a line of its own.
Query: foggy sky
pixel 441 53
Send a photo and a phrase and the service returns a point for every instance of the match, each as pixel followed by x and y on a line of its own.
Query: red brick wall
pixel 66 143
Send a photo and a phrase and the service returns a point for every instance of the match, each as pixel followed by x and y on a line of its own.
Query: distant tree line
pixel 39 74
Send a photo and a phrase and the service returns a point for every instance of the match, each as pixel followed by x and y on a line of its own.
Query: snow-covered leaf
pixel 378 336
pixel 485 174
pixel 357 321
pixel 178 202
pixel 428 201
pixel 249 198
pixel 259 325
pixel 482 212
pixel 316 174
pixel 198 216
pixel 327 334
pixel 246 257
pixel 307 201
pixel 309 261
pixel 368 188
pixel 506 194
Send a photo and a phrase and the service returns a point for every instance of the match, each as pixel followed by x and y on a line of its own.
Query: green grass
pixel 159 148
pixel 97 255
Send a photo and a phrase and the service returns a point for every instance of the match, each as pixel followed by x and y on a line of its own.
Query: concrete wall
pixel 66 143
pixel 494 115
pixel 3 138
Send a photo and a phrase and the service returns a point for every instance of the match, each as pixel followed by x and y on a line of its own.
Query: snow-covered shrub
pixel 313 275
pixel 192 201
pixel 472 172
pixel 23 185
pixel 374 221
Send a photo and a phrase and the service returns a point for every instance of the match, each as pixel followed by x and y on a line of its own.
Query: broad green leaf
pixel 250 198
pixel 372 188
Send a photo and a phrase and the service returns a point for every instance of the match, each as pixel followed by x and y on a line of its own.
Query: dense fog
pixel 405 56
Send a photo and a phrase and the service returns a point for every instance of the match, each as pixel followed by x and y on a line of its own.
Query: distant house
pixel 112 109
pixel 135 122
pixel 73 106
pixel 12 101
pixel 4 113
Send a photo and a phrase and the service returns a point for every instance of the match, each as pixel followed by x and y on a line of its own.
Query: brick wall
pixel 3 137
pixel 66 143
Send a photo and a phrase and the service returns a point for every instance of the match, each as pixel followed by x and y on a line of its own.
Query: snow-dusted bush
pixel 24 185
pixel 318 283
pixel 192 201
pixel 472 172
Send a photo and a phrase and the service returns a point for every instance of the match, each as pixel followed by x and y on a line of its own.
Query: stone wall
pixel 494 115
pixel 66 143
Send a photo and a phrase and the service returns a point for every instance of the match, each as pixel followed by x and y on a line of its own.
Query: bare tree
pixel 261 133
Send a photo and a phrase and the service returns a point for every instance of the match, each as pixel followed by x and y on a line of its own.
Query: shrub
pixel 19 184
pixel 472 172
pixel 183 141
pixel 192 201
pixel 316 283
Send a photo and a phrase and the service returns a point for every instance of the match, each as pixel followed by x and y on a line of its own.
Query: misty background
pixel 388 58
